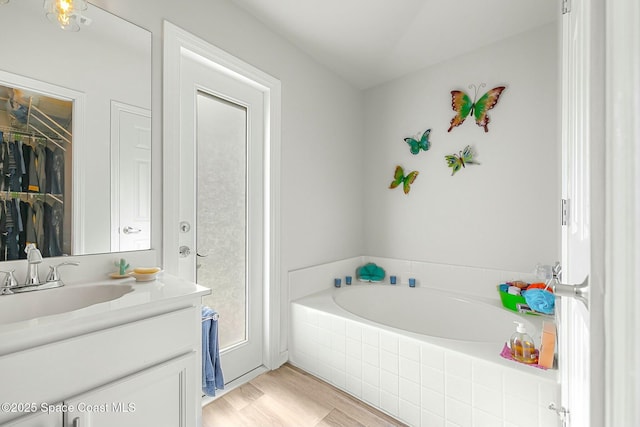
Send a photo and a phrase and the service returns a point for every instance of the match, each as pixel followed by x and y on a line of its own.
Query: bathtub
pixel 425 356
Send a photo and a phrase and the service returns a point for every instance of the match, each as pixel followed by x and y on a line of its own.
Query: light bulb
pixel 64 12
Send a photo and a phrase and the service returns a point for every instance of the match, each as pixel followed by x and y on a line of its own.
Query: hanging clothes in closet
pixel 31 209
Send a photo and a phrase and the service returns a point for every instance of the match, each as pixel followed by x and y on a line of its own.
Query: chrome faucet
pixel 32 281
pixel 34 257
pixel 53 278
pixel 9 283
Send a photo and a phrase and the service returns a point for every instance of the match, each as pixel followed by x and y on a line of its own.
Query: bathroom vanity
pixel 112 353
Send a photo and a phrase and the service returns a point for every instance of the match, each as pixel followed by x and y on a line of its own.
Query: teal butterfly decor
pixel 457 161
pixel 416 145
pixel 400 178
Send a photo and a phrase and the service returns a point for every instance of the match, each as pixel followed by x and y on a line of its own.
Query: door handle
pixel 561 412
pixel 579 292
pixel 131 230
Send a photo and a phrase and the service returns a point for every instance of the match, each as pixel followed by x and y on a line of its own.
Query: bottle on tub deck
pixel 522 346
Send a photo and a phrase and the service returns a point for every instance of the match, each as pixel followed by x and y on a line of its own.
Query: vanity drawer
pixel 55 371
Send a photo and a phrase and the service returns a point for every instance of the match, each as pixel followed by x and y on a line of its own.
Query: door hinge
pixel 566 6
pixel 565 212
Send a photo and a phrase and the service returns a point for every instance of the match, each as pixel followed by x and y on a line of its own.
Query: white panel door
pixel 131 178
pixel 579 321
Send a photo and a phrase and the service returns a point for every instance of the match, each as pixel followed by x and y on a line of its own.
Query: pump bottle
pixel 522 346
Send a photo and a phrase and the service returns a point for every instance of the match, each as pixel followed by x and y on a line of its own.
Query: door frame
pixel 179 43
pixel 622 213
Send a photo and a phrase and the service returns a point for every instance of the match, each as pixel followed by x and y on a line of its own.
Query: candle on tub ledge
pixel 412 282
pixel 337 282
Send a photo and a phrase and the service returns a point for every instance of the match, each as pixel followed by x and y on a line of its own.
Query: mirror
pixel 92 88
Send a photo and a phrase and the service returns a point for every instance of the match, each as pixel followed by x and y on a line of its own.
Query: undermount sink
pixel 32 305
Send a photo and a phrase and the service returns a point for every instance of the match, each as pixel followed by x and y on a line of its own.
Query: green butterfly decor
pixel 464 106
pixel 400 178
pixel 457 161
pixel 423 144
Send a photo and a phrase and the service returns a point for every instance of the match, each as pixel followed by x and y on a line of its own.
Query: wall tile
pixel 338 378
pixel 520 411
pixel 354 367
pixel 371 355
pixel 409 391
pixel 548 391
pixel 354 386
pixel 389 362
pixel 432 378
pixel 353 348
pixel 483 419
pixel 409 349
pixel 371 394
pixel 432 356
pixel 354 331
pixel 429 419
pixel 458 388
pixel 457 365
pixel 370 336
pixel 389 342
pixel 487 400
pixel 389 402
pixel 458 412
pixel 409 413
pixel 522 385
pixel 389 382
pixel 432 401
pixel 487 375
pixel 371 375
pixel 547 417
pixel 410 370
pixel 337 325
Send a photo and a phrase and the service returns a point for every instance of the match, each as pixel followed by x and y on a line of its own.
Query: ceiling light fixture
pixel 67 14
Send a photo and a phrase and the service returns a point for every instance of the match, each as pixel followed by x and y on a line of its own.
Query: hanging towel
pixel 211 371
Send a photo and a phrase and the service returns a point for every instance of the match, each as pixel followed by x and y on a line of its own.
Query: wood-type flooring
pixel 290 397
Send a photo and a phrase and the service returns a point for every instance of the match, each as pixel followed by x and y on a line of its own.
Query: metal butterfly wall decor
pixel 457 161
pixel 419 142
pixel 464 106
pixel 400 178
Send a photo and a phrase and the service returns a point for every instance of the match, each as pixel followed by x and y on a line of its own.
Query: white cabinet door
pixel 160 396
pixel 41 419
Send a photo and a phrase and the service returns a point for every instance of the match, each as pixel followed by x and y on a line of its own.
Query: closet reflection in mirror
pixel 104 72
pixel 36 141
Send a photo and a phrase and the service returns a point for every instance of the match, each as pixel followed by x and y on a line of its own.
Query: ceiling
pixel 369 42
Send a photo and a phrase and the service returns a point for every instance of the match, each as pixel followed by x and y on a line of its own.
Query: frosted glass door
pixel 221 198
pixel 221 212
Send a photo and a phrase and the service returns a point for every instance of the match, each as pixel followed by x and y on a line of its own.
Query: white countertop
pixel 147 299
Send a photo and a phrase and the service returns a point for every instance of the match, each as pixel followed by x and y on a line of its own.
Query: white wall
pixel 322 120
pixel 502 214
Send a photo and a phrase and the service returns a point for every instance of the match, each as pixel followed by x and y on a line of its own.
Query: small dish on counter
pixel 145 274
pixel 117 275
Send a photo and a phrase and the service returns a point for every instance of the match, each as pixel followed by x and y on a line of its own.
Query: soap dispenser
pixel 522 347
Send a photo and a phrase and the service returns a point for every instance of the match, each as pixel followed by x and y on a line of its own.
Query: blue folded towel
pixel 211 371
